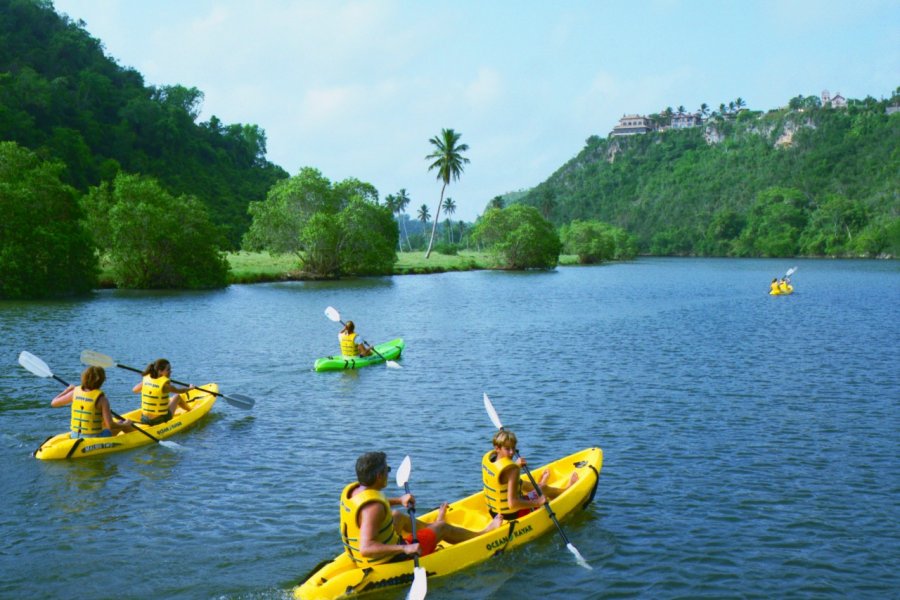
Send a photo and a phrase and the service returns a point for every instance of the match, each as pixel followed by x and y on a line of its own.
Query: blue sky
pixel 357 88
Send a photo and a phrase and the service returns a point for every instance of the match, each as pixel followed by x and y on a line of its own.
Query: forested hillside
pixel 63 98
pixel 804 179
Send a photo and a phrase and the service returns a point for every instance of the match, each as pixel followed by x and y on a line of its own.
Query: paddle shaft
pixel 127 368
pixel 547 503
pixel 115 414
pixel 412 524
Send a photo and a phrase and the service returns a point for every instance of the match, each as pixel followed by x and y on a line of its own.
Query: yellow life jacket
pixel 154 399
pixel 783 287
pixel 774 288
pixel 350 531
pixel 348 344
pixel 495 493
pixel 87 418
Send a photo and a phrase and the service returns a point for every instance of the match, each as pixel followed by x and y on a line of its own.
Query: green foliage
pixel 693 191
pixel 45 249
pixel 593 241
pixel 63 98
pixel 519 237
pixel 152 239
pixel 334 230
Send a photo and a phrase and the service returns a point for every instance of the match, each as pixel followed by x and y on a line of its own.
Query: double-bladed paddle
pixel 420 577
pixel 95 359
pixel 790 271
pixel 495 419
pixel 332 313
pixel 40 368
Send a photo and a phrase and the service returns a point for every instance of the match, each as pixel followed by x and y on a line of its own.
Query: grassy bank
pixel 253 267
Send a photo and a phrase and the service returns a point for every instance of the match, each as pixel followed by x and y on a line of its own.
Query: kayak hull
pixel 780 292
pixel 63 446
pixel 341 578
pixel 389 350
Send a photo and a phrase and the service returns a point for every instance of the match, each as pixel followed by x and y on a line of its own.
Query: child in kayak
pixel 349 347
pixel 371 531
pixel 91 415
pixel 159 398
pixel 502 485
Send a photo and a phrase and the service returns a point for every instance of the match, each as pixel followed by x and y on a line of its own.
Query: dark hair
pixel 348 327
pixel 369 466
pixel 156 368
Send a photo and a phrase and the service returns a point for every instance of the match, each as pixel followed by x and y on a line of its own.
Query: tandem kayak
pixel 341 577
pixel 63 446
pixel 388 350
pixel 782 291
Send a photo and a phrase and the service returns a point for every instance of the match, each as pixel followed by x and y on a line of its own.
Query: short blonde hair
pixel 505 439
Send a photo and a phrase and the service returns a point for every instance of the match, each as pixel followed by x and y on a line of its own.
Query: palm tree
pixel 681 109
pixel 449 209
pixel 402 200
pixel 739 103
pixel 704 110
pixel 423 214
pixel 449 161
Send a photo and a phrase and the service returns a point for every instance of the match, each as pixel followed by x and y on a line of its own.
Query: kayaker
pixel 349 347
pixel 159 398
pixel 773 287
pixel 783 286
pixel 91 415
pixel 502 485
pixel 371 531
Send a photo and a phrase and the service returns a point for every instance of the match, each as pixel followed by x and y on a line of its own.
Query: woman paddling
pixel 91 415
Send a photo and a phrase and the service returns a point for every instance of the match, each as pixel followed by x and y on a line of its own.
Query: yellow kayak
pixel 63 446
pixel 341 578
pixel 782 291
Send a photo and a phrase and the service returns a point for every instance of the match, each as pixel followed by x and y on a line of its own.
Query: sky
pixel 358 88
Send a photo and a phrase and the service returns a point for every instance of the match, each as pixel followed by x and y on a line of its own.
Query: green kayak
pixel 388 350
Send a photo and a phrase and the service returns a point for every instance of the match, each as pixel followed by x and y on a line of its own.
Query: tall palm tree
pixel 402 200
pixel 739 103
pixel 423 214
pixel 449 161
pixel 449 209
pixel 704 110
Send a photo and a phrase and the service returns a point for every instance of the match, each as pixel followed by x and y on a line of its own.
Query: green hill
pixel 825 181
pixel 63 98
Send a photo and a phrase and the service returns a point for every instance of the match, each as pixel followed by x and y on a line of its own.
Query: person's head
pixel 92 378
pixel 157 368
pixel 349 327
pixel 774 280
pixel 369 466
pixel 505 439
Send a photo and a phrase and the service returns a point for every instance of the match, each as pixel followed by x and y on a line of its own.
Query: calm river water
pixel 750 442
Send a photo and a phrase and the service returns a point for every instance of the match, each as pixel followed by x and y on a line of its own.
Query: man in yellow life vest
pixel 773 287
pixel 373 534
pixel 349 347
pixel 91 415
pixel 502 485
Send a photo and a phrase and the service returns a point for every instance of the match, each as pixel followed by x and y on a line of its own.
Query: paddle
pixel 420 577
pixel 495 419
pixel 95 359
pixel 335 316
pixel 790 271
pixel 40 368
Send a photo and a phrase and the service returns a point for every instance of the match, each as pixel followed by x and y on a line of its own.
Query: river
pixel 750 442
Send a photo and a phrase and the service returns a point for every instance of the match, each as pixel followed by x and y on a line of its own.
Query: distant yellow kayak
pixel 62 446
pixel 341 577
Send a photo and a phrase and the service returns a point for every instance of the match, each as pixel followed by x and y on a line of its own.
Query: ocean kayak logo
pixel 93 447
pixel 166 430
pixel 502 541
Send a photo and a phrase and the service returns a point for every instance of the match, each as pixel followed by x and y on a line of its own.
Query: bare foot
pixel 494 524
pixel 441 512
pixel 545 477
pixel 572 480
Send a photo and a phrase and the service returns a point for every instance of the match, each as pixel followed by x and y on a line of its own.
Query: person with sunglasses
pixel 503 486
pixel 373 533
